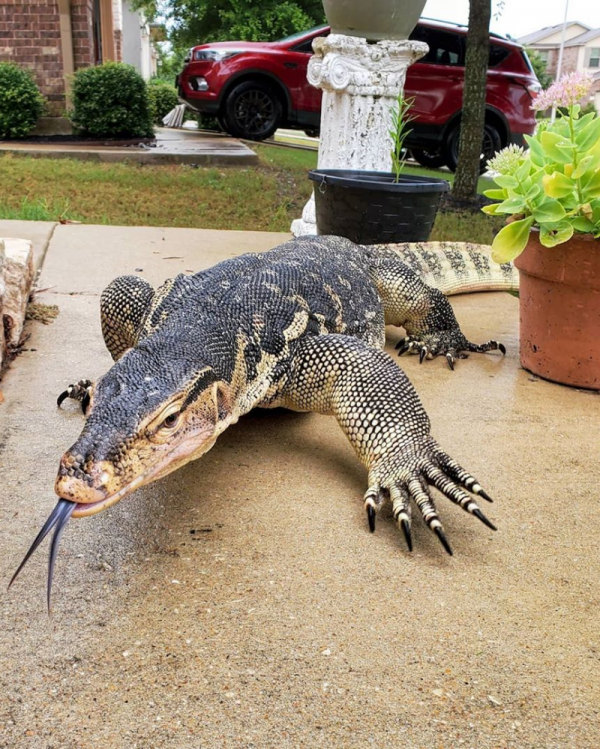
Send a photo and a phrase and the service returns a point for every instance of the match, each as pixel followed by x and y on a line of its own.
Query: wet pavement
pixel 173 146
pixel 242 602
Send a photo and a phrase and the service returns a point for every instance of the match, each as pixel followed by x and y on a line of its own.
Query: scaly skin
pixel 302 327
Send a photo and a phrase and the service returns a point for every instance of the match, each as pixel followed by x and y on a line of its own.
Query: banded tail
pixel 456 267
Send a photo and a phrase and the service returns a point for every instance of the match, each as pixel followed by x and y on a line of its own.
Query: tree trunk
pixel 473 113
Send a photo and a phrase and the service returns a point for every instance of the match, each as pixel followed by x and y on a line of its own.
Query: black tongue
pixel 58 518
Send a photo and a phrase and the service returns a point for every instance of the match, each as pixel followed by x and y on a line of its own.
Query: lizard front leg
pixel 382 416
pixel 124 304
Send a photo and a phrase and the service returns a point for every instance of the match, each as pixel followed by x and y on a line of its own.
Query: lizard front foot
pixel 81 391
pixel 404 476
pixel 451 343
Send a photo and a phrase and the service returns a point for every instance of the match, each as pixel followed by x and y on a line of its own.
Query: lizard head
pixel 146 418
pixel 151 413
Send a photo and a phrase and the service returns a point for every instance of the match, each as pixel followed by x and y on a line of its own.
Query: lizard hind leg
pixel 124 305
pixel 423 311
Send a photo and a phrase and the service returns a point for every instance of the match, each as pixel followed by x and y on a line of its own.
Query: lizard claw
pixel 371 515
pixel 81 392
pixel 408 479
pixel 440 534
pixel 405 525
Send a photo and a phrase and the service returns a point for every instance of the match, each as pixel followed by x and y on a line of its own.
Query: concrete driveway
pixel 242 602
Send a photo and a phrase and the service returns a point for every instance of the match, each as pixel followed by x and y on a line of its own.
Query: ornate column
pixel 360 83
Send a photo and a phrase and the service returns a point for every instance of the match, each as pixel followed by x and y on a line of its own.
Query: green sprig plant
pixel 555 185
pixel 399 132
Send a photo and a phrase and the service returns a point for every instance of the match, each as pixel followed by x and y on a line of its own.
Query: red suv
pixel 254 87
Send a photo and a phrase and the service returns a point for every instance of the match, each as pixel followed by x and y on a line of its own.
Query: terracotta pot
pixel 374 20
pixel 560 310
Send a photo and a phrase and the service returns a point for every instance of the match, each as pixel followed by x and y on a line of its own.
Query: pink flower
pixel 565 92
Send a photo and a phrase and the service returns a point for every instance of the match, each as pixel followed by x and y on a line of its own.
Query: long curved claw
pixel 450 359
pixel 62 397
pixel 371 515
pixel 478 514
pixel 78 392
pixel 422 354
pixel 444 541
pixel 405 525
pixel 502 348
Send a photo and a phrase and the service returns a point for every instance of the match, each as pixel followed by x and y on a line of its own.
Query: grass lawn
pixel 262 198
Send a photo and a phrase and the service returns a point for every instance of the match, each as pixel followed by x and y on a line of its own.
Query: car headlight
pixel 214 55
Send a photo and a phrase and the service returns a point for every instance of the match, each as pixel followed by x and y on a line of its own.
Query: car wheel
pixel 492 142
pixel 252 111
pixel 431 159
pixel 223 123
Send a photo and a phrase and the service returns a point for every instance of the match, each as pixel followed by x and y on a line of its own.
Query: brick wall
pixel 30 36
pixel 83 33
pixel 569 61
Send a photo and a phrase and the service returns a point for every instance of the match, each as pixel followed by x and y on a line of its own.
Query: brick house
pixel 581 51
pixel 57 37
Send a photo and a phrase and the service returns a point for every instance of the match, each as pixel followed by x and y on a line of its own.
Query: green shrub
pixel 111 100
pixel 20 101
pixel 208 122
pixel 163 98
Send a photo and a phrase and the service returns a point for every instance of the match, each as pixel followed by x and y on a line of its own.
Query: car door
pixel 436 80
pixel 306 98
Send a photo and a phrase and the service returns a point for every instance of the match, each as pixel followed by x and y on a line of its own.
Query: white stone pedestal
pixel 360 83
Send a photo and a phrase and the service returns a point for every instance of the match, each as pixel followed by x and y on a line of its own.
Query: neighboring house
pixel 581 52
pixel 54 38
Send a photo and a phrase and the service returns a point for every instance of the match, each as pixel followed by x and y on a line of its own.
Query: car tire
pixel 312 132
pixel 252 111
pixel 492 142
pixel 222 123
pixel 429 159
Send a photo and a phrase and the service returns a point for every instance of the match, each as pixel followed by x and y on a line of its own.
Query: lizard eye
pixel 171 421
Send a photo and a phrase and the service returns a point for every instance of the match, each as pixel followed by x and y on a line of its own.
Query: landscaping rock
pixel 16 281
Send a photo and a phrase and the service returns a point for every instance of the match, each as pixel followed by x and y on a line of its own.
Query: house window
pixel 594 59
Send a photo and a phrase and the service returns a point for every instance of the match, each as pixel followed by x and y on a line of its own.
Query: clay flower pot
pixel 374 20
pixel 560 310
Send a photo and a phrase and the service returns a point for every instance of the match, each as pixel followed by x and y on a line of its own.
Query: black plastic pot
pixel 372 208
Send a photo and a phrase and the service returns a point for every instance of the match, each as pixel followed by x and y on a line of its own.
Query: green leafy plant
pixel 21 104
pixel 163 98
pixel 111 100
pixel 555 185
pixel 399 132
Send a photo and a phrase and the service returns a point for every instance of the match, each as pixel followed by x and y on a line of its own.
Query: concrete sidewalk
pixel 172 147
pixel 242 602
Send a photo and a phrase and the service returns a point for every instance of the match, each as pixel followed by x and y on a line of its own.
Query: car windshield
pixel 300 34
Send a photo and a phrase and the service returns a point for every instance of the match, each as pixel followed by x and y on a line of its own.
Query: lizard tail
pixel 456 267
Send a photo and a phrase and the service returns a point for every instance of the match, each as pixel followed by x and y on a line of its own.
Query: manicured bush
pixel 20 101
pixel 111 100
pixel 163 98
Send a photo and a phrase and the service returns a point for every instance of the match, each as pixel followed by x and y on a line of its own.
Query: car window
pixel 445 48
pixel 298 34
pixel 497 54
pixel 306 46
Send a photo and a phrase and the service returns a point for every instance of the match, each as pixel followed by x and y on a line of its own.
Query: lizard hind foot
pixel 449 343
pixel 80 391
